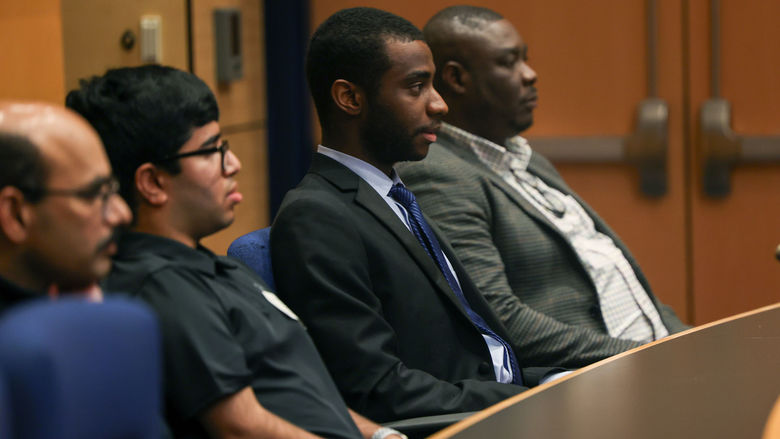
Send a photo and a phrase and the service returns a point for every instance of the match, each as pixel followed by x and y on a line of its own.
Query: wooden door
pixel 734 237
pixel 594 67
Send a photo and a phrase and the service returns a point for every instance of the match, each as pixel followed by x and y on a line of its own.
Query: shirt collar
pixel 373 176
pixel 516 154
pixel 134 245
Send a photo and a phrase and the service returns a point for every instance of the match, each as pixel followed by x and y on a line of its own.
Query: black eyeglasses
pixel 101 189
pixel 223 149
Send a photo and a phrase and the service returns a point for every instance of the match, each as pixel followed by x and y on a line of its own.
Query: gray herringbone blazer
pixel 528 272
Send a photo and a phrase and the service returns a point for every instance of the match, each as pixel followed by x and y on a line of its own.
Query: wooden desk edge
pixel 473 419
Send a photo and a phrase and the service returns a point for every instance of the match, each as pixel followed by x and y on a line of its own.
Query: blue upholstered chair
pixel 5 410
pixel 75 369
pixel 254 249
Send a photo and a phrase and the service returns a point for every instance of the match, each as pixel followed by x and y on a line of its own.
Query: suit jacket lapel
pixel 367 198
pixel 466 154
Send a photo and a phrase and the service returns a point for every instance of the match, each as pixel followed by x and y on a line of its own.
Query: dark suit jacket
pixel 528 271
pixel 391 331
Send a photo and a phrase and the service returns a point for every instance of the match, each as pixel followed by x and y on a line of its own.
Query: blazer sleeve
pixel 321 271
pixel 459 202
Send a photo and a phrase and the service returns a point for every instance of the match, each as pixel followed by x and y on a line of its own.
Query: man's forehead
pixel 498 34
pixel 408 55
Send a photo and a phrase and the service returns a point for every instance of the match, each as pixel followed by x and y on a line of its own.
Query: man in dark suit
pixel 564 285
pixel 400 325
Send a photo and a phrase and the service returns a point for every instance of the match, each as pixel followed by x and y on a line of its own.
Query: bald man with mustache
pixel 59 208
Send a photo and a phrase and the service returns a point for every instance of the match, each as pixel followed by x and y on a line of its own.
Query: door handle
pixel 720 148
pixel 646 147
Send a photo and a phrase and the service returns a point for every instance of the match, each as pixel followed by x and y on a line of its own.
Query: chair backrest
pixel 75 369
pixel 254 249
pixel 5 410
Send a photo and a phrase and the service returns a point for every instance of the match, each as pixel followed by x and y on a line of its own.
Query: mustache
pixel 107 241
pixel 434 127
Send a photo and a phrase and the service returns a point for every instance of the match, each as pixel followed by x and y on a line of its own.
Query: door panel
pixel 734 237
pixel 92 30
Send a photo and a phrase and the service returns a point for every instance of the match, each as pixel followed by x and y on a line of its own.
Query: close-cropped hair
pixel 473 17
pixel 350 45
pixel 22 166
pixel 446 27
pixel 143 114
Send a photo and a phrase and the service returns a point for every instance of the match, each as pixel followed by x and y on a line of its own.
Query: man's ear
pixel 15 214
pixel 347 96
pixel 150 184
pixel 455 76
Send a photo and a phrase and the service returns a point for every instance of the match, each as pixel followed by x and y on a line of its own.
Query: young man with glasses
pixel 237 361
pixel 58 204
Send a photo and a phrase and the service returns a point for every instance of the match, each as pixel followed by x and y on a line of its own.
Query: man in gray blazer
pixel 566 288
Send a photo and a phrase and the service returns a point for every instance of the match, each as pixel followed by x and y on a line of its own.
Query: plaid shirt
pixel 628 311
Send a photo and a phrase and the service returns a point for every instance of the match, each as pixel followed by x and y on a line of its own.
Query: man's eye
pixel 92 192
pixel 416 88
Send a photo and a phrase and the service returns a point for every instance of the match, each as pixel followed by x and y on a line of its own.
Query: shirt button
pixel 484 368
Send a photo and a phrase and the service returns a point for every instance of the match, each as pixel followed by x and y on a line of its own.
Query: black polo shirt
pixel 12 294
pixel 221 334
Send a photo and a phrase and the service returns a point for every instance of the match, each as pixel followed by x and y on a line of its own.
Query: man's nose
pixel 117 212
pixel 232 163
pixel 528 74
pixel 437 106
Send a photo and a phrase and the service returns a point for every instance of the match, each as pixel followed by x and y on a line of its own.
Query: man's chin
pixel 522 125
pixel 418 153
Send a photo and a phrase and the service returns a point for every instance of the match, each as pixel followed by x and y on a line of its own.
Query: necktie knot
pixel 401 194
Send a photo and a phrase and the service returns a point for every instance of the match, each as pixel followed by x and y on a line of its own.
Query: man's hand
pixel 370 428
pixel 241 416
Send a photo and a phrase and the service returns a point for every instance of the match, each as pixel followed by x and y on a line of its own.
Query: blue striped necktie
pixel 422 231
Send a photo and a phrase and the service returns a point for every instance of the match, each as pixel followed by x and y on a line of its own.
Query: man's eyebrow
pixel 418 74
pixel 211 140
pixel 512 51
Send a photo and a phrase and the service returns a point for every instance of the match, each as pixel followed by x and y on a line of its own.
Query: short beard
pixel 383 136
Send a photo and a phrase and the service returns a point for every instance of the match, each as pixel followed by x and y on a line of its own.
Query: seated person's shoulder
pixel 440 165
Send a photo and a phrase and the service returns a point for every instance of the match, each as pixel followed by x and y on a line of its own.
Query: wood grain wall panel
pixel 92 31
pixel 31 61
